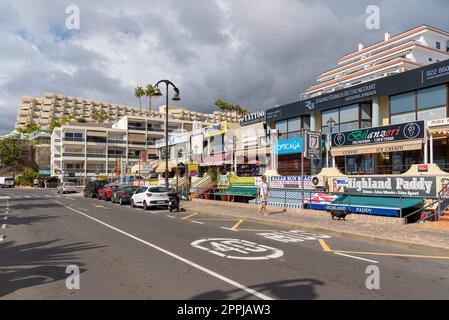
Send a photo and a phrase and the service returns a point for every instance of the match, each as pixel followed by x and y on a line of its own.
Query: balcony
pixel 156 129
pixel 133 156
pixel 96 155
pixel 116 141
pixel 140 128
pixel 137 143
pixel 73 139
pixel 73 154
pixel 96 139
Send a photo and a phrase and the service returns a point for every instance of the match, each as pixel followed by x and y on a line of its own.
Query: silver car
pixel 67 187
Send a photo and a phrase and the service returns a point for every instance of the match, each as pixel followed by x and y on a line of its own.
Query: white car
pixel 150 197
pixel 67 187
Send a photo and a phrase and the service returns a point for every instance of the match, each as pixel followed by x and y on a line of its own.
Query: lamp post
pixel 175 98
pixel 234 145
pixel 331 122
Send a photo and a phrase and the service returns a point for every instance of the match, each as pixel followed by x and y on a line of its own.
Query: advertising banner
pixel 215 129
pixel 313 145
pixel 293 182
pixel 422 186
pixel 193 169
pixel 288 146
pixel 223 181
pixel 391 133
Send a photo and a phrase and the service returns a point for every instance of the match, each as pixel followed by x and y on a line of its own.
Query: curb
pixel 354 236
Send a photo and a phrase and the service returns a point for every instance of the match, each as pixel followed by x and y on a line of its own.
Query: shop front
pixel 391 149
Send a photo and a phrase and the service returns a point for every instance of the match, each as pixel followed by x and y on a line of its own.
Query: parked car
pixel 67 187
pixel 123 194
pixel 6 182
pixel 92 187
pixel 150 197
pixel 105 193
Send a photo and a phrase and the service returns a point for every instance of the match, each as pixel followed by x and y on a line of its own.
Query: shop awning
pixel 440 131
pixel 161 167
pixel 238 192
pixel 369 205
pixel 377 148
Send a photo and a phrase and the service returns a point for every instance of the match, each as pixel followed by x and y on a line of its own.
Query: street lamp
pixel 330 123
pixel 176 97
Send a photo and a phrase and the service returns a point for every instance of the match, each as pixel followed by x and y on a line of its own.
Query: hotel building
pixel 52 106
pixel 399 81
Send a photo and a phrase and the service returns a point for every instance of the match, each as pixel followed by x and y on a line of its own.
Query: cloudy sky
pixel 258 53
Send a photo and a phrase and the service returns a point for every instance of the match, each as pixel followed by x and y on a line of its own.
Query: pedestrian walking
pixel 263 192
pixel 36 183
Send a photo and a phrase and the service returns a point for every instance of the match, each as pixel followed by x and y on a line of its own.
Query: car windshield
pixel 158 189
pixel 70 184
pixel 131 188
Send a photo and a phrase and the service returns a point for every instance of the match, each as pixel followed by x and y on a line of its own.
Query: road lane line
pixel 235 226
pixel 354 257
pixel 173 255
pixel 171 217
pixel 199 222
pixel 324 245
pixel 189 216
pixel 394 254
pixel 229 229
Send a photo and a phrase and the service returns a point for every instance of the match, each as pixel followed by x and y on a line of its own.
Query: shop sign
pixel 242 181
pixel 172 140
pixel 193 169
pixel 390 133
pixel 313 145
pixel 438 122
pixel 251 118
pixel 423 168
pixel 342 182
pixel 215 129
pixel 423 186
pixel 293 182
pixel 288 146
pixel 435 73
pixel 223 181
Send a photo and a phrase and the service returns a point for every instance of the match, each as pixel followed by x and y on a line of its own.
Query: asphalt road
pixel 126 253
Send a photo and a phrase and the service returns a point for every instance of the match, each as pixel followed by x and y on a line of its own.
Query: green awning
pixel 379 202
pixel 238 191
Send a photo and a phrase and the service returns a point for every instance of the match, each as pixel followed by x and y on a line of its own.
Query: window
pixel 425 104
pixel 438 45
pixel 291 128
pixel 347 118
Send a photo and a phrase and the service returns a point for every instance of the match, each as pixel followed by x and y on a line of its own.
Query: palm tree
pixel 149 92
pixel 139 92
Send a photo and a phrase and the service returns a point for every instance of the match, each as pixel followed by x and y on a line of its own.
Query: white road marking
pixel 4 197
pixel 171 217
pixel 199 222
pixel 173 255
pixel 354 257
pixel 2 237
pixel 3 226
pixel 230 229
pixel 27 196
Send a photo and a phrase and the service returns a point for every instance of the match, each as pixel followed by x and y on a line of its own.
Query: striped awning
pixel 439 131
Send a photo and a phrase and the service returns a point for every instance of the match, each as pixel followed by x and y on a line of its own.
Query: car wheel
pixel 145 206
pixel 132 203
pixel 120 201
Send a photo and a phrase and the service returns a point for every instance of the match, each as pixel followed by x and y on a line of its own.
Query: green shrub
pixel 27 177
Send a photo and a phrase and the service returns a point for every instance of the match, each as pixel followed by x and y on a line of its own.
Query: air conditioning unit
pixel 319 181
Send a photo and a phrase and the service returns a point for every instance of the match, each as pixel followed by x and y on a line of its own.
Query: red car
pixel 106 192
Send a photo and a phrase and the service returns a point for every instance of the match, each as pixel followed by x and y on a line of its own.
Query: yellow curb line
pixel 326 248
pixel 235 226
pixel 189 216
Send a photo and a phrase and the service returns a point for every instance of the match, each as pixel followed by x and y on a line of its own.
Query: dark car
pixel 123 194
pixel 92 187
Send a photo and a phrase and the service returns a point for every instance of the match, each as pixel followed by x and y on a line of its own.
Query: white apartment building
pixel 52 106
pixel 412 49
pixel 83 151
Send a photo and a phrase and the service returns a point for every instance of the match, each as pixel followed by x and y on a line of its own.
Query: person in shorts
pixel 263 192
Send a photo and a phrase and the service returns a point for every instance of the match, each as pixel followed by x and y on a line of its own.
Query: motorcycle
pixel 174 201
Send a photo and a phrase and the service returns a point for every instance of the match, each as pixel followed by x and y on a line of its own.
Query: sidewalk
pixel 388 231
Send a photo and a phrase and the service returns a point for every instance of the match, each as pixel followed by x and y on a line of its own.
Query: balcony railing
pixel 136 128
pixel 73 154
pixel 96 140
pixel 139 143
pixel 156 129
pixel 116 141
pixel 76 139
pixel 96 155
